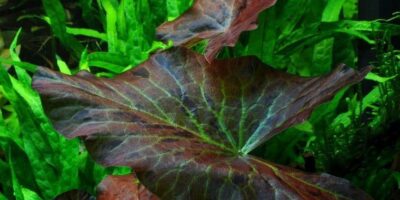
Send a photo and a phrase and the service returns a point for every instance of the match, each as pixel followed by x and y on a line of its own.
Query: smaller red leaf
pixel 123 188
pixel 220 21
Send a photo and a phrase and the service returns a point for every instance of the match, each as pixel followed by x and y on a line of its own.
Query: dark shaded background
pixel 375 9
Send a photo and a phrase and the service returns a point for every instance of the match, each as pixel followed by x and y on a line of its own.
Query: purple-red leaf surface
pixel 125 187
pixel 185 126
pixel 219 21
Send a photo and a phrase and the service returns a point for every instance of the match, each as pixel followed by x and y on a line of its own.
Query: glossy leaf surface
pixel 221 22
pixel 186 125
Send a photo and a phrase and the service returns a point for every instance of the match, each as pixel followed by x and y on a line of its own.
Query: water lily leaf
pixel 221 22
pixel 123 187
pixel 185 126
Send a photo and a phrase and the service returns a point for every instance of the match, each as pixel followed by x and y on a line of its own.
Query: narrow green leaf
pixel 317 32
pixel 22 75
pixel 13 53
pixel 89 13
pixel 345 119
pixel 328 110
pixel 112 62
pixel 6 85
pixel 278 19
pixel 84 61
pixel 56 14
pixel 350 9
pixel 73 30
pixel 30 195
pixel 323 51
pixel 305 127
pixel 121 23
pixel 2 197
pixel 332 10
pixel 52 166
pixel 258 44
pixel 111 19
pixel 24 65
pixel 176 7
pixel 375 77
pixel 63 66
pixel 87 32
pixel 396 175
pixel 16 186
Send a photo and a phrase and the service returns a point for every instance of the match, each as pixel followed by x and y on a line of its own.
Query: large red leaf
pixel 220 21
pixel 186 126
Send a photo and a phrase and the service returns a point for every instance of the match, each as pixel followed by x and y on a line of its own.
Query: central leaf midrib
pixel 221 122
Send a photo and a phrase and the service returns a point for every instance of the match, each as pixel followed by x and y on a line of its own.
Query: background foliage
pixel 355 136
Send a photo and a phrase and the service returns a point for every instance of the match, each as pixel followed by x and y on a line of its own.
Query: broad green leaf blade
pixel 323 51
pixel 274 23
pixel 221 22
pixel 123 187
pixel 182 123
pixel 332 10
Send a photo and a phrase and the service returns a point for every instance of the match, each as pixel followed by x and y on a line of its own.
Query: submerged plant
pixel 186 123
pixel 186 126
